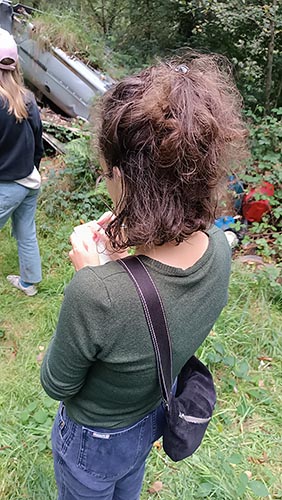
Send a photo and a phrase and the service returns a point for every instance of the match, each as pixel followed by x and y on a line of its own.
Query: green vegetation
pixel 240 457
pixel 241 454
pixel 129 34
pixel 72 189
pixel 121 37
pixel 265 164
pixel 75 190
pixel 82 40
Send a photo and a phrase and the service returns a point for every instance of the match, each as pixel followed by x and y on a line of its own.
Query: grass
pixel 63 29
pixel 241 454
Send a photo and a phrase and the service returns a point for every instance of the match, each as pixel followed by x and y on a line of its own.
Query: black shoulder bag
pixel 189 410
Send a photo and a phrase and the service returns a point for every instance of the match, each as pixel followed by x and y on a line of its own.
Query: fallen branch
pixel 63 128
pixel 54 143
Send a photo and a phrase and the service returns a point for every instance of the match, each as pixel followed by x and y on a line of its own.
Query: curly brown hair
pixel 174 130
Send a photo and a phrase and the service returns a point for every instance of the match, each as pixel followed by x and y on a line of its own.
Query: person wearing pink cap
pixel 21 150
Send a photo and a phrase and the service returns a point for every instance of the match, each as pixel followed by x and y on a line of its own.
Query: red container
pixel 252 209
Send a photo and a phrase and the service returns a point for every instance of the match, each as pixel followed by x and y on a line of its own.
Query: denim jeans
pixel 19 203
pixel 102 464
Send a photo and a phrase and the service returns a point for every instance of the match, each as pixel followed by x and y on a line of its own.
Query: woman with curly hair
pixel 167 139
pixel 21 150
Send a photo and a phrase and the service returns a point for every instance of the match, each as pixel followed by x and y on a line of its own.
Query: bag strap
pixel 156 320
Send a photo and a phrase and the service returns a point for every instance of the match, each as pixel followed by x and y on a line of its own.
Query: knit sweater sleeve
pixel 79 336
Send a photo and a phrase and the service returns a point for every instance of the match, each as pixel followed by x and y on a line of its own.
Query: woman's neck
pixel 184 255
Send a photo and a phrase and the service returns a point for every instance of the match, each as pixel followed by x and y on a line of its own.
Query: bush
pixel 74 190
pixel 266 164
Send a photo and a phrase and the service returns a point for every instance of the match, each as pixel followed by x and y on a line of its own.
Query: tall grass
pixel 241 455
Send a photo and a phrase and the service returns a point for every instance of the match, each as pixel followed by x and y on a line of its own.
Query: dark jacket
pixel 21 145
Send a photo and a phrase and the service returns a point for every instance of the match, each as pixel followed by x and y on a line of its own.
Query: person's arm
pixel 77 339
pixel 36 125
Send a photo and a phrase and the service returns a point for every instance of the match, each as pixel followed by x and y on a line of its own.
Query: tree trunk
pixel 270 51
pixel 103 18
pixel 278 94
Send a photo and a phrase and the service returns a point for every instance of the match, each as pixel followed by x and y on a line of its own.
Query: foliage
pixel 238 458
pixel 85 41
pixel 119 35
pixel 62 133
pixel 266 164
pixel 74 189
pixel 241 30
pixel 149 29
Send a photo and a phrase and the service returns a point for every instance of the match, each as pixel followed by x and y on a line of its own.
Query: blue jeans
pixel 102 464
pixel 19 203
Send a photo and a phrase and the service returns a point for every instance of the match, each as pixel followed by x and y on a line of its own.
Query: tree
pixel 270 55
pixel 248 32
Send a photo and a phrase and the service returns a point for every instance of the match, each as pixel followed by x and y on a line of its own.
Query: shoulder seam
pixel 92 269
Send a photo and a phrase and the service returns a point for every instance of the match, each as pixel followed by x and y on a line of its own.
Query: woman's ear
pixel 116 172
pixel 114 185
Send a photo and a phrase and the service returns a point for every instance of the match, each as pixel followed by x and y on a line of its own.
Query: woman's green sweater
pixel 101 361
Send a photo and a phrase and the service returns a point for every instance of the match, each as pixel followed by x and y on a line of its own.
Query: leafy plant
pixel 238 458
pixel 74 189
pixel 78 32
pixel 266 165
pixel 38 417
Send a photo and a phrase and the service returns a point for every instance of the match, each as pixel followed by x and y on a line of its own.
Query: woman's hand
pixel 91 245
pixel 102 239
pixel 84 250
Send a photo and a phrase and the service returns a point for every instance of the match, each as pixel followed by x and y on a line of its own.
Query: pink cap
pixel 8 49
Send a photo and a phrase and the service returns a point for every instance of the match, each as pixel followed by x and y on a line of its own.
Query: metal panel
pixel 64 79
pixel 6 13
